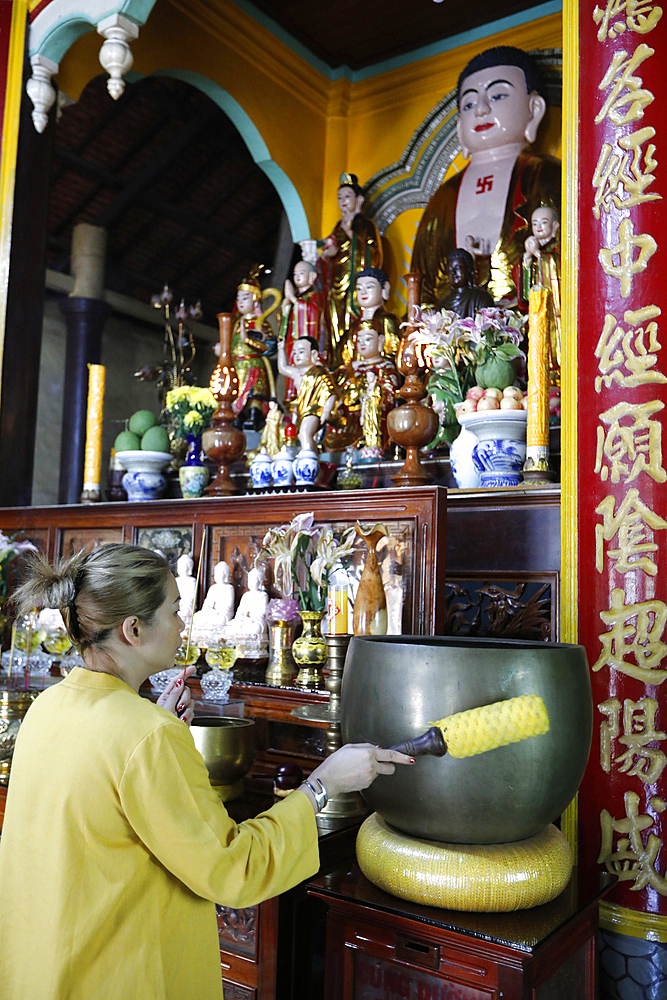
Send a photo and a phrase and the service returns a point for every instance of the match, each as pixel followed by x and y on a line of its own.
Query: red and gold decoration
pixel 617 486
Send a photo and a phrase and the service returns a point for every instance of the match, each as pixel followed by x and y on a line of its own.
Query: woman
pixel 114 847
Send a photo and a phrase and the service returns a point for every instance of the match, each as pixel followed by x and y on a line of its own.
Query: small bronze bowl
pixel 228 748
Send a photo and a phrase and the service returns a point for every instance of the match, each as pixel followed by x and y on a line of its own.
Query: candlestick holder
pixel 223 442
pixel 413 424
pixel 346 805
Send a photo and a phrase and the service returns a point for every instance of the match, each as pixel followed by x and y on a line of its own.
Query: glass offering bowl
pixel 193 654
pixel 221 655
pixel 216 684
pixel 56 641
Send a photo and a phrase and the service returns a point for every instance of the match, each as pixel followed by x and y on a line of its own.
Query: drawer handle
pixel 418 952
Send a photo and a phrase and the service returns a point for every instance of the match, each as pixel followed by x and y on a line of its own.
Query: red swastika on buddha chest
pixel 484 184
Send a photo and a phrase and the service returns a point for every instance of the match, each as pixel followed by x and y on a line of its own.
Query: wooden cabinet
pixel 501 552
pixel 381 947
pixel 275 951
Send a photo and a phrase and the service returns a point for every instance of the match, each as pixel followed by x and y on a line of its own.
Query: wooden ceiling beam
pixel 143 180
pixel 190 220
pixel 259 207
pixel 205 170
pixel 142 141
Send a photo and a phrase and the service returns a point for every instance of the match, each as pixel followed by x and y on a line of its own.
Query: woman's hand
pixel 176 698
pixel 356 766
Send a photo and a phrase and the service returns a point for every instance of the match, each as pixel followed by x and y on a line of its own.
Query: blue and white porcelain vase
pixel 260 470
pixel 460 457
pixel 306 467
pixel 143 479
pixel 501 445
pixel 193 474
pixel 281 469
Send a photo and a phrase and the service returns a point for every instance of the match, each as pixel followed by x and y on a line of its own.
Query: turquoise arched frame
pixel 61 22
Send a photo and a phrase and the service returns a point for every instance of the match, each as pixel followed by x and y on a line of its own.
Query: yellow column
pixel 13 14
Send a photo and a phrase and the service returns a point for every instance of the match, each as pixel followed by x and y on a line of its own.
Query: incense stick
pixel 11 656
pixel 194 601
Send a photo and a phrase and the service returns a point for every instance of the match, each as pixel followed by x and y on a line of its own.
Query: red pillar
pixel 615 488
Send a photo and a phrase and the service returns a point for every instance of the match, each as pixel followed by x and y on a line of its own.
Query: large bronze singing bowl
pixel 394 687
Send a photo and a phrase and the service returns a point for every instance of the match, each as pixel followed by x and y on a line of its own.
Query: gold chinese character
pixel 608 730
pixel 639 443
pixel 644 637
pixel 628 265
pixel 632 861
pixel 640 16
pixel 631 522
pixel 639 760
pixel 618 348
pixel 627 91
pixel 622 173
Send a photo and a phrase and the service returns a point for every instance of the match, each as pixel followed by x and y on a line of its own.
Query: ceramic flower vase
pixel 281 669
pixel 310 651
pixel 193 474
pixel 370 605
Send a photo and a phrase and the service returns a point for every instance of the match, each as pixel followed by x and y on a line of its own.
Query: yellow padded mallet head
pixel 477 730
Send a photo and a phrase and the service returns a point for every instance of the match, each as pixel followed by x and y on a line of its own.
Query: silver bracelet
pixel 321 797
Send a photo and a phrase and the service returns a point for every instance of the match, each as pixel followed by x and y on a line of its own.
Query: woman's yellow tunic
pixel 115 849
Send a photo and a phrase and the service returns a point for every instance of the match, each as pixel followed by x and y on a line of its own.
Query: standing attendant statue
pixel 465 297
pixel 490 203
pixel 372 291
pixel 368 390
pixel 541 266
pixel 252 340
pixel 316 390
pixel 302 312
pixel 353 245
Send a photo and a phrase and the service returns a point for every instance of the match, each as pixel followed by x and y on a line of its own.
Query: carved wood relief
pixel 238 929
pixel 523 606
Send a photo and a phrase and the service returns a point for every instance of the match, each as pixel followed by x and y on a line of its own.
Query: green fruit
pixel 127 441
pixel 495 374
pixel 141 421
pixel 155 439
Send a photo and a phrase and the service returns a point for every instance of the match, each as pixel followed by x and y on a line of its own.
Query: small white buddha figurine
pixel 187 586
pixel 250 617
pixel 218 607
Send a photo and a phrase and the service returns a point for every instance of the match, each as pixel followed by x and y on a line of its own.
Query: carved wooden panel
pixel 72 540
pixel 233 991
pixel 172 542
pixel 238 930
pixel 523 606
pixel 38 536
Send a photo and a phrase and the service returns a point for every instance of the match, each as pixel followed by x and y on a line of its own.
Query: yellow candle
pixel 337 610
pixel 93 455
pixel 537 427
